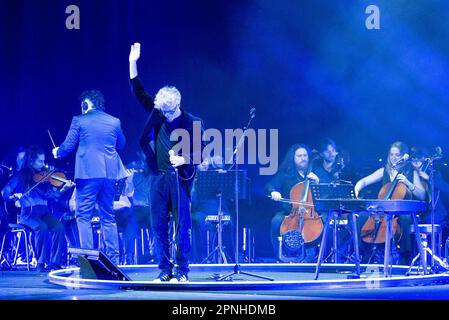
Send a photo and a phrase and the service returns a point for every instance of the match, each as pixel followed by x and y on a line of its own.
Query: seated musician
pixel 141 201
pixel 126 221
pixel 332 168
pixel 331 164
pixel 201 208
pixel 420 163
pixel 292 170
pixel 404 174
pixel 12 163
pixel 33 197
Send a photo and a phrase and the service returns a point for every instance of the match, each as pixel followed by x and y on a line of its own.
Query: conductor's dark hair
pixel 95 96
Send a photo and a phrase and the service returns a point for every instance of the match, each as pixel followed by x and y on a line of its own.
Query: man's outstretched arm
pixel 136 85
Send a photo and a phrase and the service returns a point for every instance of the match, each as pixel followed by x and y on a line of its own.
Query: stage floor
pixel 292 281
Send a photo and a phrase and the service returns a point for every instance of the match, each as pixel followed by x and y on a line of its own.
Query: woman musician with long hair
pixel 399 181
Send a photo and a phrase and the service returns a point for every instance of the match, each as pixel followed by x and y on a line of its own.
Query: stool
pixel 19 230
pixel 218 254
pixel 426 229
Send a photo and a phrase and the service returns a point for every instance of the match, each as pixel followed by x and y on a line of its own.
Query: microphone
pixel 252 112
pixel 404 158
pixel 49 167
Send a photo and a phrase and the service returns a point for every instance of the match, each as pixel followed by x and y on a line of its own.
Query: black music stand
pixel 218 183
pixel 210 181
pixel 233 185
pixel 335 191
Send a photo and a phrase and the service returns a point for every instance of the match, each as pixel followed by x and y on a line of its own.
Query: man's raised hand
pixel 134 53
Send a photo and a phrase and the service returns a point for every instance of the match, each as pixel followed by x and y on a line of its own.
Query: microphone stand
pixel 237 268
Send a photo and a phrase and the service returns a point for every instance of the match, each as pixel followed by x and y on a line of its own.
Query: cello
pixel 375 227
pixel 303 225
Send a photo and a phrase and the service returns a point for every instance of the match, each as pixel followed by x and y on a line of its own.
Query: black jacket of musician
pixel 152 128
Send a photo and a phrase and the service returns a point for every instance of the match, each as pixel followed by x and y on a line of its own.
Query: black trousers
pixel 44 225
pixel 166 190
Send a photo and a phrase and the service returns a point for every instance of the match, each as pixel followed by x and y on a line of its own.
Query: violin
pixel 375 228
pixel 303 225
pixel 55 178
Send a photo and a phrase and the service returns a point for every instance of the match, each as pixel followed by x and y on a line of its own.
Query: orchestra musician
pixel 141 200
pixel 419 160
pixel 126 221
pixel 292 170
pixel 33 196
pixel 397 167
pixel 329 168
pixel 333 165
pixel 8 211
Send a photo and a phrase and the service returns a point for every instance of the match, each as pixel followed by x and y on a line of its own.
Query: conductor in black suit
pixel 98 166
pixel 174 174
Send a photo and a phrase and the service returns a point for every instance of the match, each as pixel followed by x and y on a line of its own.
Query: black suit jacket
pixel 97 135
pixel 151 130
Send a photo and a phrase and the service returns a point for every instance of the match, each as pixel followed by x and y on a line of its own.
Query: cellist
pixel 404 174
pixel 292 170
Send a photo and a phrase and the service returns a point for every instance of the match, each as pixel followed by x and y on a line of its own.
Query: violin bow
pixel 305 204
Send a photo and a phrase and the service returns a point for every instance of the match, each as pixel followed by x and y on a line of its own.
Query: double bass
pixel 303 225
pixel 375 228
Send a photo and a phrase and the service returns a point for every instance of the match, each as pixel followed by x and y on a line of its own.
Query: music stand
pixel 219 183
pixel 335 191
pixel 238 191
pixel 332 191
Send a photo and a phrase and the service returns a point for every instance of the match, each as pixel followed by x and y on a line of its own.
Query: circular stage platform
pixel 285 277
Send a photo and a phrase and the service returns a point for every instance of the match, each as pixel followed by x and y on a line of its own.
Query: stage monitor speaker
pixel 94 264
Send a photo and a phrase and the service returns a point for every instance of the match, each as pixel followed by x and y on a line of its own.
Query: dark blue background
pixel 311 69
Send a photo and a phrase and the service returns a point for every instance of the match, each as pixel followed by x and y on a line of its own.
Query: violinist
pixel 292 170
pixel 397 168
pixel 27 188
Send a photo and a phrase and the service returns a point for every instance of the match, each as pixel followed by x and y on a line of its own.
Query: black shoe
pixel 180 277
pixel 164 276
